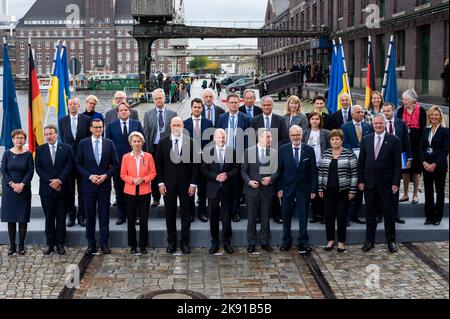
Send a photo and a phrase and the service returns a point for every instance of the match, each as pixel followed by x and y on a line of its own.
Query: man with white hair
pixel 156 127
pixel 211 111
pixel 111 115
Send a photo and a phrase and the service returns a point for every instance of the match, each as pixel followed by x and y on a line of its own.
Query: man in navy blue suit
pixel 97 162
pixel 118 132
pixel 72 129
pixel 354 131
pixel 297 185
pixel 196 125
pixel 54 165
pixel 235 123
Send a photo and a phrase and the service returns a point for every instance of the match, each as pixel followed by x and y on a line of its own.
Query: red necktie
pixel 391 128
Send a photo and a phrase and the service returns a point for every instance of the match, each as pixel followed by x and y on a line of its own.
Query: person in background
pixel 317 138
pixel 338 181
pixel 433 156
pixel 249 108
pixel 91 103
pixel 375 106
pixel 137 171
pixel 415 118
pixel 17 172
pixel 294 113
pixel 446 77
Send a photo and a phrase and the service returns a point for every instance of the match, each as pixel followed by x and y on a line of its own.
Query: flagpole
pixel 51 75
pixel 345 71
pixel 388 61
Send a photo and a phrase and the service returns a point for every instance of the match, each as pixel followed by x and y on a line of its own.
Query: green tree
pixel 199 62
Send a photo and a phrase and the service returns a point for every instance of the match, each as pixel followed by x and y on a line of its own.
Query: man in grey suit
pixel 260 172
pixel 156 127
pixel 112 116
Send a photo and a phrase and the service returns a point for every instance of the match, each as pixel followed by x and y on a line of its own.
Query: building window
pixel 80 45
pixel 136 56
pixel 47 70
pixel 47 57
pixel 128 68
pixel 22 45
pixel 119 68
pixel 127 56
pixel 161 44
pixel 422 2
pixel 119 45
pixel 39 45
pixel 108 50
pixel 127 44
pixel 63 34
pixel 22 57
pixel 400 47
pixel 39 57
pixel 100 61
pixel 47 45
pixel 364 53
pixel 22 34
pixel 340 9
pixel 119 58
pixel 38 34
pixel 72 45
pixel 351 13
pixel 382 5
pixel 72 33
pixel 81 57
pixel 314 12
pixel 100 50
pixel 108 61
pixel 136 45
pixel 92 50
pixel 47 34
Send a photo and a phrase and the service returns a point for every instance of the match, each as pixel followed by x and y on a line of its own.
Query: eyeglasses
pixel 97 127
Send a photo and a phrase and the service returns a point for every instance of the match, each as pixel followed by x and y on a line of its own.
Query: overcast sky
pixel 197 10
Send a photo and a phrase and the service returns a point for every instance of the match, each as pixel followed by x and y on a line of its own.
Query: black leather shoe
pixel 82 222
pixel 359 220
pixel 314 220
pixel 278 220
pixel 437 223
pixel 228 248
pixel 171 249
pixel 22 250
pixel 428 222
pixel 251 249
pixel 304 249
pixel 120 221
pixel 185 248
pixel 70 223
pixel 329 248
pixel 379 220
pixel 91 251
pixel 342 250
pixel 133 251
pixel 348 223
pixel 106 250
pixel 137 221
pixel 49 251
pixel 236 218
pixel 392 247
pixel 258 220
pixel 214 249
pixel 368 246
pixel 144 251
pixel 285 247
pixel 398 220
pixel 203 218
pixel 192 219
pixel 61 250
pixel 267 248
pixel 154 204
pixel 12 250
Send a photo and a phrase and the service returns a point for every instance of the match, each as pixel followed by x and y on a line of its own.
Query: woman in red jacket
pixel 137 171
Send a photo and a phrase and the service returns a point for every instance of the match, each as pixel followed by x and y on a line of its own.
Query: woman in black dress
pixel 415 118
pixel 17 172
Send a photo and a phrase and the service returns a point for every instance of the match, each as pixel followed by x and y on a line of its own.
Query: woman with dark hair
pixel 375 106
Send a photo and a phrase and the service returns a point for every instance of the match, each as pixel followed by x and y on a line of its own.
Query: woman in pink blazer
pixel 137 171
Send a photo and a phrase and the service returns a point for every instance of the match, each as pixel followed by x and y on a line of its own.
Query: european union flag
pixel 391 89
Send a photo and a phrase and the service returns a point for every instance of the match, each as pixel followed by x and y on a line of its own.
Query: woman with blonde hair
pixel 433 156
pixel 91 103
pixel 294 113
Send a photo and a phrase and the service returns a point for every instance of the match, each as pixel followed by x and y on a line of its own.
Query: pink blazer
pixel 147 172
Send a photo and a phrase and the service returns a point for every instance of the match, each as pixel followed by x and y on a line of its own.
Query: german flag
pixel 370 81
pixel 35 108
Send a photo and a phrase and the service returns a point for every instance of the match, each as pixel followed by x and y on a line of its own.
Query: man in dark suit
pixel 354 132
pixel 297 185
pixel 73 129
pixel 319 105
pixel 219 167
pixel 235 123
pixel 211 111
pixel 97 162
pixel 260 172
pixel 380 171
pixel 118 132
pixel 54 165
pixel 249 108
pixel 343 115
pixel 111 115
pixel 177 175
pixel 156 127
pixel 278 127
pixel 197 125
pixel 398 128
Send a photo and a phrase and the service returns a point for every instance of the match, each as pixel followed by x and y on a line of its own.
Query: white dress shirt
pixel 137 158
pixel 376 141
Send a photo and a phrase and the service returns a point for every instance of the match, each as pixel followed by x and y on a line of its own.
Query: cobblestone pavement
pixel 240 276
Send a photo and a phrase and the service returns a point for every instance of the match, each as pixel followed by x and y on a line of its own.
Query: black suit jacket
pixel 211 170
pixel 62 169
pixel 439 144
pixel 401 131
pixel 256 110
pixel 337 119
pixel 218 112
pixel 385 171
pixel 83 130
pixel 278 122
pixel 327 122
pixel 176 175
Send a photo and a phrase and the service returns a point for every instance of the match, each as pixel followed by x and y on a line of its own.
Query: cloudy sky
pixel 198 10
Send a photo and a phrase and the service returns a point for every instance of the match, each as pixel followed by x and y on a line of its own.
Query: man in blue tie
pixel 249 108
pixel 97 162
pixel 297 185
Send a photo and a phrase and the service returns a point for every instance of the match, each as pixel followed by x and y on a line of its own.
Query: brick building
pixel 97 34
pixel 420 28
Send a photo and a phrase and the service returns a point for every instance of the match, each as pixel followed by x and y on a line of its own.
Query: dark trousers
pixel 119 185
pixel 262 204
pixel 379 200
pixel 219 208
pixel 395 205
pixel 155 189
pixel 55 210
pixel 93 203
pixel 238 184
pixel 170 201
pixel 436 180
pixel 298 203
pixel 201 193
pixel 355 206
pixel 138 205
pixel 80 214
pixel 336 207
pixel 317 207
pixel 276 207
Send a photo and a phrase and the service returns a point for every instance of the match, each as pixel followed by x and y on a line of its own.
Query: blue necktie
pixel 97 152
pixel 250 112
pixel 267 123
pixel 161 121
pixel 297 155
pixel 231 135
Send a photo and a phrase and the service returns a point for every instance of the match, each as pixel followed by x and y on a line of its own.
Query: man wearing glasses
pixel 111 115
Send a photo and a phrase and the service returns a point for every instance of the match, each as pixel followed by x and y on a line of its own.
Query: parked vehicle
pixel 239 85
pixel 229 79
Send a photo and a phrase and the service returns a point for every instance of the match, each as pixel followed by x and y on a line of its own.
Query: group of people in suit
pixel 280 165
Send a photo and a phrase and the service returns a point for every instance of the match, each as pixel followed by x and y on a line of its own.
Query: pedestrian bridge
pixel 209 52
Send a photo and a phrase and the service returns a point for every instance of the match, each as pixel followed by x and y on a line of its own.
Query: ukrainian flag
pixel 339 81
pixel 57 93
